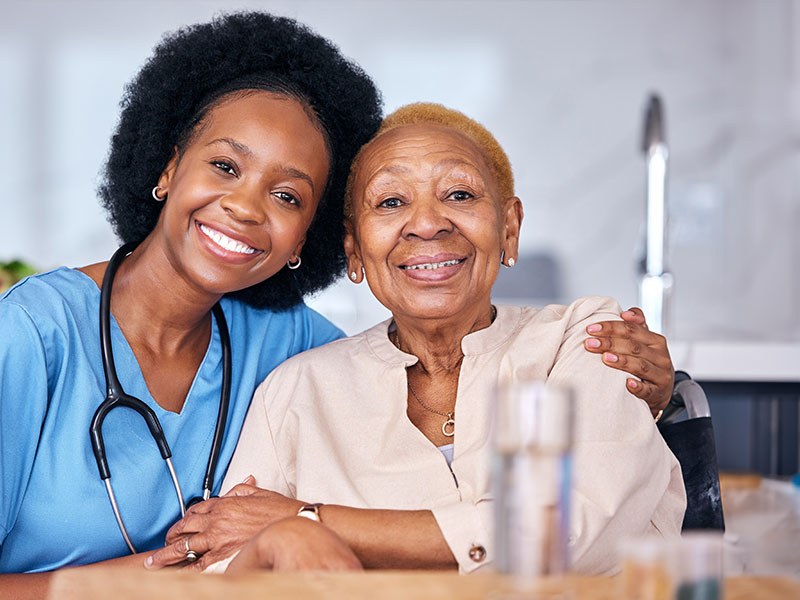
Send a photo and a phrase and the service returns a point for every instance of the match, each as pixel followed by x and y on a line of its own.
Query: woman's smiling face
pixel 242 194
pixel 428 224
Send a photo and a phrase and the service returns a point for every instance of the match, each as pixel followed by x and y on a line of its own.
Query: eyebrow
pixel 238 146
pixel 288 171
pixel 298 174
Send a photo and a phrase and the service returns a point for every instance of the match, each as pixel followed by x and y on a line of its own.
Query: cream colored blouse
pixel 329 425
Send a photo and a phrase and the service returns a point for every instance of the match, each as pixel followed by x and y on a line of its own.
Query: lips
pixel 225 242
pixel 433 265
pixel 226 246
pixel 432 269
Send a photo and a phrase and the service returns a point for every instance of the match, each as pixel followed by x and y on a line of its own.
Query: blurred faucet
pixel 656 281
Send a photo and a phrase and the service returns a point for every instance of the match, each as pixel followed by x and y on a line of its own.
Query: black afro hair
pixel 194 67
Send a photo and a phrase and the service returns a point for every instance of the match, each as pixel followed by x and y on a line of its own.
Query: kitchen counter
pixel 104 582
pixel 738 361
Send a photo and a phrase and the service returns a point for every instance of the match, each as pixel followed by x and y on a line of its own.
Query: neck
pixel 155 305
pixel 437 342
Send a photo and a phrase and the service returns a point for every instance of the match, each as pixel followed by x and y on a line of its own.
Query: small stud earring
pixel 511 262
pixel 353 276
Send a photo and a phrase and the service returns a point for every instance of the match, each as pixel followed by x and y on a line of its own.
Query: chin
pixel 433 311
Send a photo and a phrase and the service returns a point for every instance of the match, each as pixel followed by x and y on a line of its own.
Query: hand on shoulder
pixel 629 346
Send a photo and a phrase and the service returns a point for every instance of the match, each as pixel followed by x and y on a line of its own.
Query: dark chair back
pixel 686 427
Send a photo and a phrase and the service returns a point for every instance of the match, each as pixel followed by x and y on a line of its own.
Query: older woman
pixel 387 429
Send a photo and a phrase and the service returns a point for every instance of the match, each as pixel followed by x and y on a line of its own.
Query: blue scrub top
pixel 54 510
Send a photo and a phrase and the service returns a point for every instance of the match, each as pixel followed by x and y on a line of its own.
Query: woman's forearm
pixel 24 586
pixel 391 539
pixel 35 586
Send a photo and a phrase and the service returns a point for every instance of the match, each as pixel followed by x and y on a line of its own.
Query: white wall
pixel 561 84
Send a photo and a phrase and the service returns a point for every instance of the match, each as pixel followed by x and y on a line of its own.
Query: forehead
pixel 259 110
pixel 419 148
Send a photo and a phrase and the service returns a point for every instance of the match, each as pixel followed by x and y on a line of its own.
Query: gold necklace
pixel 449 423
pixel 449 426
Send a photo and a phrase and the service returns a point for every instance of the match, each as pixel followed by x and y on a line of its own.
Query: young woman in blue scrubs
pixel 227 167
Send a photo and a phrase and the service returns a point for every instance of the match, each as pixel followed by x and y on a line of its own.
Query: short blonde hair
pixel 428 112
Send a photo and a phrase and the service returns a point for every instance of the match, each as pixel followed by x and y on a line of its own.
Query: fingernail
pixel 148 562
pixel 594 328
pixel 245 480
pixel 632 383
pixel 627 313
pixel 593 343
pixel 608 357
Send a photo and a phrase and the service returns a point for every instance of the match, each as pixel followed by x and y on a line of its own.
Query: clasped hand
pixel 218 527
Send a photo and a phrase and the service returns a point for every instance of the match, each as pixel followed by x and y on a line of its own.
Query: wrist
pixel 310 511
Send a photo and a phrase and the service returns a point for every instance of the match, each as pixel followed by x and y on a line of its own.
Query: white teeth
pixel 226 242
pixel 436 265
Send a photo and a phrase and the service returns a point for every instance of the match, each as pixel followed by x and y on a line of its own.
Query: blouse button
pixel 477 553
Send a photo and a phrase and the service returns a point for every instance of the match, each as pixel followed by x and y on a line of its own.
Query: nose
pixel 245 205
pixel 427 219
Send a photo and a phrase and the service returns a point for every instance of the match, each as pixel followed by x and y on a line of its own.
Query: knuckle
pixel 629 329
pixel 636 348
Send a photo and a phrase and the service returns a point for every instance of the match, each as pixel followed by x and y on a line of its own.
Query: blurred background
pixel 563 86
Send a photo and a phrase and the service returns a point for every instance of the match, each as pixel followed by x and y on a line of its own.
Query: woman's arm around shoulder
pixel 626 480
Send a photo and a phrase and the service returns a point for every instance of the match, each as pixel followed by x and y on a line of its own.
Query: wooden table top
pixel 102 583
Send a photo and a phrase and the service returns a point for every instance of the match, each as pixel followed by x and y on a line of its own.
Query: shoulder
pixel 584 310
pixel 60 295
pixel 545 332
pixel 331 357
pixel 44 316
pixel 333 371
pixel 299 318
pixel 62 282
pixel 324 367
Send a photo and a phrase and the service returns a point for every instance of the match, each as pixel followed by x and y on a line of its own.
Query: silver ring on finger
pixel 189 554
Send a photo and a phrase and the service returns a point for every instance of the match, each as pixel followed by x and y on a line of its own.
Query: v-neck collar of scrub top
pixel 130 373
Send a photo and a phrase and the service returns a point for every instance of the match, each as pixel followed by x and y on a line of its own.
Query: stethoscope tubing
pixel 116 396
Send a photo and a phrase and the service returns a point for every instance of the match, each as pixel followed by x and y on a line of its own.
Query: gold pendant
pixel 451 424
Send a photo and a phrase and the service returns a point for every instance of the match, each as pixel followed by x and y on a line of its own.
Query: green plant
pixel 12 272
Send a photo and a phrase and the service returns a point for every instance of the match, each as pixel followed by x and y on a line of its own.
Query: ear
pixel 512 218
pixel 299 248
pixel 169 172
pixel 353 253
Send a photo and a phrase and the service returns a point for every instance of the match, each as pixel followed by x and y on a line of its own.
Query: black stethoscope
pixel 116 396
